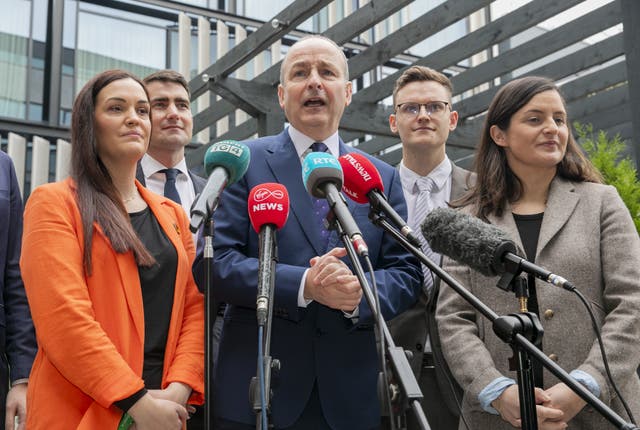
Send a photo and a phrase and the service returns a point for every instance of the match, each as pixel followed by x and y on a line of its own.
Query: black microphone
pixel 225 162
pixel 322 177
pixel 481 246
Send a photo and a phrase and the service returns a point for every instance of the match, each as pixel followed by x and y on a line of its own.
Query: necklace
pixel 128 199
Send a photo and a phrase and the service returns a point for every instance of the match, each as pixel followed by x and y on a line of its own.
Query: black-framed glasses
pixel 413 109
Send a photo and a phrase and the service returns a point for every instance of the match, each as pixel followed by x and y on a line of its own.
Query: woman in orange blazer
pixel 107 270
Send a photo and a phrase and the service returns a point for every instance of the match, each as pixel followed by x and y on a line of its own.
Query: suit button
pixel 548 314
pixel 418 347
pixel 553 357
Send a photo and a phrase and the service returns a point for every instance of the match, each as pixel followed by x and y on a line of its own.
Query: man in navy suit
pixel 322 330
pixel 17 337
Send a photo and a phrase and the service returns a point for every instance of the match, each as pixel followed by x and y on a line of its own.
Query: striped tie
pixel 424 205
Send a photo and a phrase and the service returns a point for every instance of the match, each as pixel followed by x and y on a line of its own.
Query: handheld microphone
pixel 322 177
pixel 362 183
pixel 268 207
pixel 224 162
pixel 481 246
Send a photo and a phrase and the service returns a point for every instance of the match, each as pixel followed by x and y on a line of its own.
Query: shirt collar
pixel 303 142
pixel 439 175
pixel 150 166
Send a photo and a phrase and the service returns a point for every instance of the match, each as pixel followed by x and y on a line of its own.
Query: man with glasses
pixel 423 118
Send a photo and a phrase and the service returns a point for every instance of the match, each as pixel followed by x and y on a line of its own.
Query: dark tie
pixel 320 206
pixel 170 190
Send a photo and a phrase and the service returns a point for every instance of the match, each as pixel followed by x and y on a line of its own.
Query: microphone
pixel 268 207
pixel 322 177
pixel 362 183
pixel 481 246
pixel 224 162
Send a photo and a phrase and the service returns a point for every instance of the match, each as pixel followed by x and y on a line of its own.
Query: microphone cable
pixel 605 362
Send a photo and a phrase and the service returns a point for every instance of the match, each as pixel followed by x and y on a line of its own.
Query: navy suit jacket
pixel 316 344
pixel 17 337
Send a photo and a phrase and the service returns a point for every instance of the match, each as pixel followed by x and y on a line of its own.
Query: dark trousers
pixel 435 409
pixel 311 418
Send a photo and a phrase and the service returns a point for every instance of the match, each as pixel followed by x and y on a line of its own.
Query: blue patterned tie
pixel 320 206
pixel 170 190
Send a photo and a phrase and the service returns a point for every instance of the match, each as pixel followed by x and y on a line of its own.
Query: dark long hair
pixel 496 183
pixel 97 197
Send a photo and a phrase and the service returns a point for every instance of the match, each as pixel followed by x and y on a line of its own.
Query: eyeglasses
pixel 411 109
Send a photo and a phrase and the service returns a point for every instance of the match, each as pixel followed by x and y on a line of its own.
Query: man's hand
pixel 330 282
pixel 508 405
pixel 16 407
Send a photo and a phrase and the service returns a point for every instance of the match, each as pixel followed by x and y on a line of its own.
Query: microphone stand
pixel 207 233
pixel 509 329
pixel 260 385
pixel 396 355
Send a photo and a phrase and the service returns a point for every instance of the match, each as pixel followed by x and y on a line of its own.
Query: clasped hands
pixel 330 282
pixel 162 409
pixel 555 407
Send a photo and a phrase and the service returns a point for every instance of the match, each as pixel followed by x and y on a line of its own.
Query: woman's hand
pixel 176 392
pixel 150 413
pixel 508 405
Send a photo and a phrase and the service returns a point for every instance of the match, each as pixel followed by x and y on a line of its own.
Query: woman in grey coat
pixel 535 184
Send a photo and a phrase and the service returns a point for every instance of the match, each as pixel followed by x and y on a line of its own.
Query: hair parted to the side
pixel 97 197
pixel 345 66
pixel 168 75
pixel 496 183
pixel 421 74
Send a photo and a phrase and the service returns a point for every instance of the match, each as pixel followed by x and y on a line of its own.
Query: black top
pixel 529 230
pixel 157 284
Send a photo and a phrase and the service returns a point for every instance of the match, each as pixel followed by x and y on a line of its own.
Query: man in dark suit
pixel 423 118
pixel 171 131
pixel 17 337
pixel 322 330
pixel 163 169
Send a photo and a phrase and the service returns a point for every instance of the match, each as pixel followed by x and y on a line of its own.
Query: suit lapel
pixel 197 181
pixel 459 184
pixel 561 203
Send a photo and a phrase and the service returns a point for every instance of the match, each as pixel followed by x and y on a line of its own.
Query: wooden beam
pixel 415 31
pixel 492 33
pixel 539 47
pixel 289 18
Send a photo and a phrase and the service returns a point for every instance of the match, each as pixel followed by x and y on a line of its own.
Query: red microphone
pixel 363 183
pixel 268 204
pixel 268 207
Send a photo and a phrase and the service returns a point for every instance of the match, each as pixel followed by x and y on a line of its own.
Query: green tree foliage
pixel 607 156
